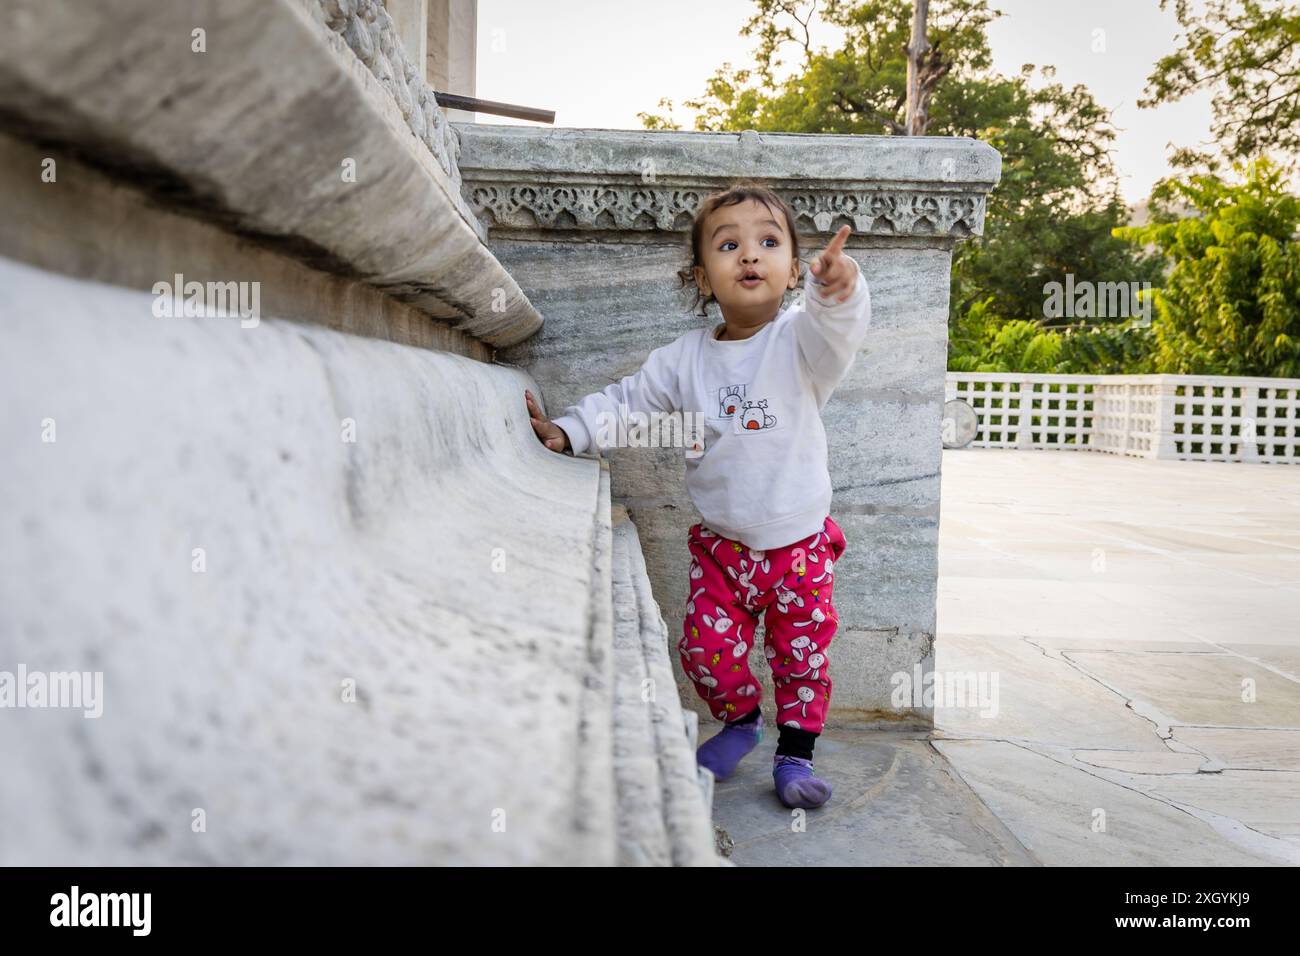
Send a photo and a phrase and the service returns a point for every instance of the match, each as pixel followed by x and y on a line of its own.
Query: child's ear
pixel 794 274
pixel 701 279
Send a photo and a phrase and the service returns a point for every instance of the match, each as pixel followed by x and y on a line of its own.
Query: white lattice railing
pixel 1189 417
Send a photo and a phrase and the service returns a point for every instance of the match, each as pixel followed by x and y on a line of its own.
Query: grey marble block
pixel 594 224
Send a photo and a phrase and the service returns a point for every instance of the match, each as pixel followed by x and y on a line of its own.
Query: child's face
pixel 740 240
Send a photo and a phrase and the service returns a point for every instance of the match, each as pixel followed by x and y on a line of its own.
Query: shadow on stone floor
pixel 896 802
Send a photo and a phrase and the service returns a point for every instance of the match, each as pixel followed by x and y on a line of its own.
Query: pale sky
pixel 597 63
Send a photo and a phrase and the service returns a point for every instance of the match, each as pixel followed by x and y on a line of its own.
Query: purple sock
pixel 721 752
pixel 796 785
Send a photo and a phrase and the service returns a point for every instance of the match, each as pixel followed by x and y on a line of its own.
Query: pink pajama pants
pixel 730 586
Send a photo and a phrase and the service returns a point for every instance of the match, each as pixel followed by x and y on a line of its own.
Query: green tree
pixel 1124 349
pixel 1231 303
pixel 1248 53
pixel 1057 204
pixel 1014 346
pixel 984 343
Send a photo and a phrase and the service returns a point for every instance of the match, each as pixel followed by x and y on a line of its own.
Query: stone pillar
pixel 593 224
pixel 1248 425
pixel 1024 413
pixel 1127 386
pixel 411 19
pixel 452 50
pixel 1165 446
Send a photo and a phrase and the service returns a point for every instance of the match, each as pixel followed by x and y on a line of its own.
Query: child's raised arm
pixel 652 388
pixel 836 316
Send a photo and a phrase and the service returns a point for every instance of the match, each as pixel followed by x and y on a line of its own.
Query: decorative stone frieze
pixel 644 182
pixel 636 207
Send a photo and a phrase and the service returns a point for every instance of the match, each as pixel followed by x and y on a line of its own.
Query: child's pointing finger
pixel 823 267
pixel 837 242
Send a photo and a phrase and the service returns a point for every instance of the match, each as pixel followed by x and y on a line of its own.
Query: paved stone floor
pixel 1142 621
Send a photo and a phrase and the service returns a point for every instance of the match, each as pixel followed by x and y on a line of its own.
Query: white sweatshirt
pixel 762 478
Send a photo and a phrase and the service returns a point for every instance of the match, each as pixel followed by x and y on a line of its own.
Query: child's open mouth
pixel 751 280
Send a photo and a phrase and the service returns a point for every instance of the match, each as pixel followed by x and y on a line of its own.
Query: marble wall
pixel 593 224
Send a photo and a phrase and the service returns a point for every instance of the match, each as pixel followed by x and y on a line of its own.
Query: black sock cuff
pixel 793 742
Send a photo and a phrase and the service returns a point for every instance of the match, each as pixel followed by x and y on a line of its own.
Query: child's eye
pixel 732 242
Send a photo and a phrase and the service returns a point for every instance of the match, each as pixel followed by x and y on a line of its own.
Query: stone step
pixel 642 832
pixel 665 811
pixel 397 587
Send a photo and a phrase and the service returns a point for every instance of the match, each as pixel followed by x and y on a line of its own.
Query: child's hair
pixel 733 195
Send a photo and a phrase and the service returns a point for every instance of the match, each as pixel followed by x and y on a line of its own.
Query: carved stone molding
pixel 640 207
pixel 257 139
pixel 640 182
pixel 370 33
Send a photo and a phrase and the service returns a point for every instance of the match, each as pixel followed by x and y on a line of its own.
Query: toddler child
pixel 758 474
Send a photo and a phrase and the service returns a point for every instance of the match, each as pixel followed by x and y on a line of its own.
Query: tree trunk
pixel 916 50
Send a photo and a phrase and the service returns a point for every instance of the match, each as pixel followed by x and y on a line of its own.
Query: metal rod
pixel 455 101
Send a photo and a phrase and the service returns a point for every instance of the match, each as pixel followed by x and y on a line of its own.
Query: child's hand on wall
pixel 548 433
pixel 834 273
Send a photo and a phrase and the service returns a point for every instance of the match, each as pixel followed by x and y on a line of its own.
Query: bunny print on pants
pixel 730 586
